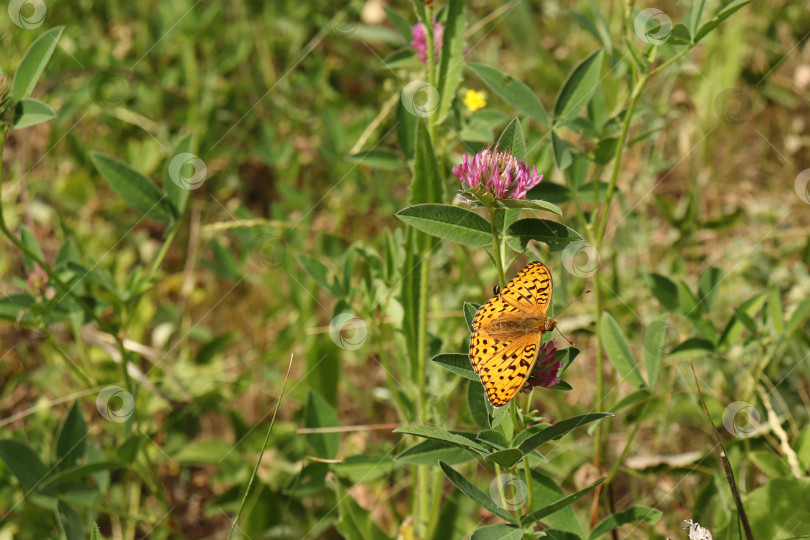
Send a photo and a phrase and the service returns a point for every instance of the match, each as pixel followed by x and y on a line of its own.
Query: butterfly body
pixel 507 333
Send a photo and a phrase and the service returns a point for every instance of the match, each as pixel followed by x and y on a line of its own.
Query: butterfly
pixel 507 331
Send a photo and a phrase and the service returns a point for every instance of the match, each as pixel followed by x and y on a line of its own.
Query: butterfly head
pixel 547 324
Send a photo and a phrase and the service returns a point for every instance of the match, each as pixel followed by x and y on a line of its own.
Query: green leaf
pixel 378 159
pixel 451 63
pixel 709 287
pixel 400 23
pixel 320 274
pixel 512 91
pixel 769 464
pixel 470 310
pixel 537 515
pixel 431 451
pixel 95 534
pixel 578 88
pixel 11 306
pixel 733 330
pixel 694 16
pixel 430 432
pixel 482 499
pixel 497 532
pixel 506 457
pixel 555 235
pixel 562 155
pixel 532 205
pixel 477 405
pixel 136 190
pixel 426 186
pixel 775 510
pixel 406 130
pixel 452 223
pixel 72 441
pixel 724 13
pixel 23 463
pixel 775 313
pixel 631 399
pixel 679 35
pixel 320 414
pixel 692 347
pixel 655 337
pixel 636 513
pixel 70 521
pixel 30 241
pixel 457 363
pixel 619 353
pixel 665 291
pixel 512 140
pixel 559 429
pixel 34 62
pixel 798 317
pixel 176 192
pixel 566 357
pixel 29 112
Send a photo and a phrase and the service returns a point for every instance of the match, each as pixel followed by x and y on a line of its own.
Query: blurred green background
pixel 278 95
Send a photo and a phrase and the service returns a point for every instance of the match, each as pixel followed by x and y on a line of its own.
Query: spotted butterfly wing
pixel 506 336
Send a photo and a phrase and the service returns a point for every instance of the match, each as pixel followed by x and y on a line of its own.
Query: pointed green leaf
pixel 136 190
pixel 555 235
pixel 692 347
pixel 506 457
pixel 694 15
pixel 512 140
pixel 799 315
pixel 470 310
pixel 578 88
pixel 708 288
pixel 320 274
pixel 95 534
pixel 636 513
pixel 30 241
pixel 34 62
pixel 426 186
pixel 665 291
pixel 724 13
pixel 655 338
pixel 482 499
pixel 512 91
pixel 497 532
pixel 559 429
pixel 29 112
pixel 400 23
pixel 430 432
pixel 775 313
pixel 70 521
pixel 23 463
pixel 457 363
pixel 619 353
pixel 537 515
pixel 562 155
pixel 451 63
pixel 532 205
pixel 72 442
pixel 355 522
pixel 320 414
pixel 452 223
pixel 431 451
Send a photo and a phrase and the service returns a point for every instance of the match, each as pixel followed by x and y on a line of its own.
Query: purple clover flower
pixel 419 42
pixel 500 172
pixel 544 372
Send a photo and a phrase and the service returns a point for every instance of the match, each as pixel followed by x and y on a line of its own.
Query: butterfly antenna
pixel 572 301
pixel 565 338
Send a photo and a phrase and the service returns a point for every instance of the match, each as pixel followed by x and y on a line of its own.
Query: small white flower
pixel 696 532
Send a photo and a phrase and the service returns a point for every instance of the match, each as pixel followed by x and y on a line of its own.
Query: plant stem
pixel 497 247
pixel 423 478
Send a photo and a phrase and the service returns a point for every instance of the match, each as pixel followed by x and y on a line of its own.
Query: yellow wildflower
pixel 474 100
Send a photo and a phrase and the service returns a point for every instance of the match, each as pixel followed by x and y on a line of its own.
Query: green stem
pixel 497 247
pixel 423 477
pixel 431 66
